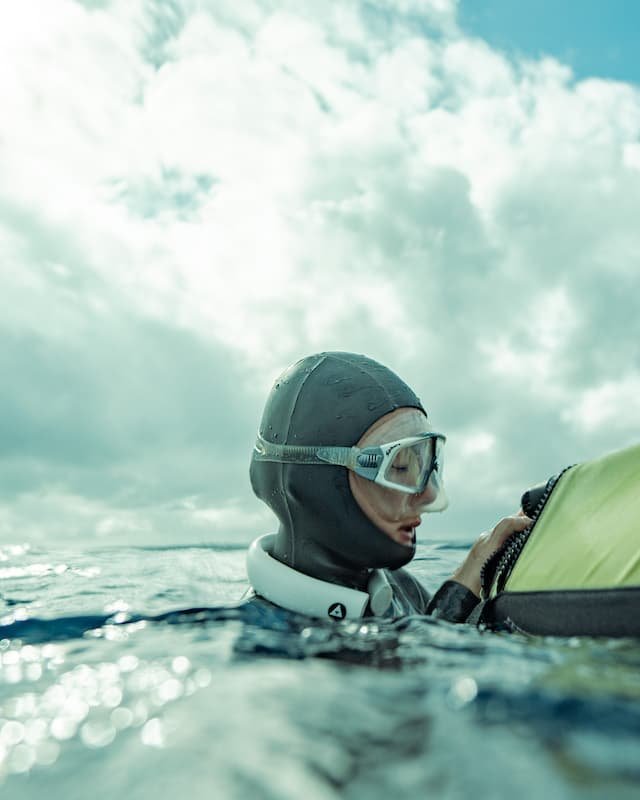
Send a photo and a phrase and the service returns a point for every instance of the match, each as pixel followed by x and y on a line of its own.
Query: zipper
pixel 497 568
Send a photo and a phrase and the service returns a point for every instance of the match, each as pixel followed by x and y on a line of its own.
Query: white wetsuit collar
pixel 295 591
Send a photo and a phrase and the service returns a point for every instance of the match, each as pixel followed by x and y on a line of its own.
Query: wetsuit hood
pixel 327 399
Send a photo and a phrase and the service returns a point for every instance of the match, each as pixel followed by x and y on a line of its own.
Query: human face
pixel 394 513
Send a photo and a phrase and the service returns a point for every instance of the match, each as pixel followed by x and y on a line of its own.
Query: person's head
pixel 325 412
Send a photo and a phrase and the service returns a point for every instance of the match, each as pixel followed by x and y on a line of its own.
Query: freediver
pixel 347 460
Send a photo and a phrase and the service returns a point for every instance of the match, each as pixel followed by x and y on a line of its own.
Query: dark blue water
pixel 238 705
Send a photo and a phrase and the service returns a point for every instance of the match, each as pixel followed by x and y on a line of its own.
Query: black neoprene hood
pixel 327 399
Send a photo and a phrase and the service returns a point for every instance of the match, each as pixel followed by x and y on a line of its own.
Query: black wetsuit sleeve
pixel 452 602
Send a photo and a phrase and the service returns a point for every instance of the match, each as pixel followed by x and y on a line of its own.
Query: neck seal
pixel 295 591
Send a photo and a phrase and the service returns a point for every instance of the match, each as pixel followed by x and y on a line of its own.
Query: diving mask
pixel 411 465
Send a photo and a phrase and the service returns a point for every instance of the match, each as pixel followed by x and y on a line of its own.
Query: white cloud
pixel 194 195
pixel 613 406
pixel 543 341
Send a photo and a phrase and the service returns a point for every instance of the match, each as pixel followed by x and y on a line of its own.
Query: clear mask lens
pixel 410 483
pixel 412 466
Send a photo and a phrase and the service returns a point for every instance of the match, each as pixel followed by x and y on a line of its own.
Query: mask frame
pixel 371 463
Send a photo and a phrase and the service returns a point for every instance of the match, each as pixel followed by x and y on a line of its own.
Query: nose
pixel 425 498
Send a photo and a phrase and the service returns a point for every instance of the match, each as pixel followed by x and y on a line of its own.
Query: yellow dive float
pixel 576 569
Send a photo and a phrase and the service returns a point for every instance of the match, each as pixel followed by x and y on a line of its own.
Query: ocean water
pixel 106 692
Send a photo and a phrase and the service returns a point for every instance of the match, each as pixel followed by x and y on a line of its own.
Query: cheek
pixel 391 506
pixel 380 505
pixel 362 496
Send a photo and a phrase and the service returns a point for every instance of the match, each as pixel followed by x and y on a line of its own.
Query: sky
pixel 593 37
pixel 193 195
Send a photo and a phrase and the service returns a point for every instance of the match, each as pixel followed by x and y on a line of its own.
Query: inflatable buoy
pixel 576 570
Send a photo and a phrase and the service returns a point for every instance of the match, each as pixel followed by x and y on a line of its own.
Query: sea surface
pixel 107 691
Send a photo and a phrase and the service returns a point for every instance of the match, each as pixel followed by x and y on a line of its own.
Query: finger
pixel 516 522
pixel 509 525
pixel 521 521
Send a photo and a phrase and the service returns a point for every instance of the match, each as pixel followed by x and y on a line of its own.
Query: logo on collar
pixel 337 611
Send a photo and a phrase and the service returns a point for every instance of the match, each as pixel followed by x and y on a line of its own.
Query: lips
pixel 406 533
pixel 411 524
